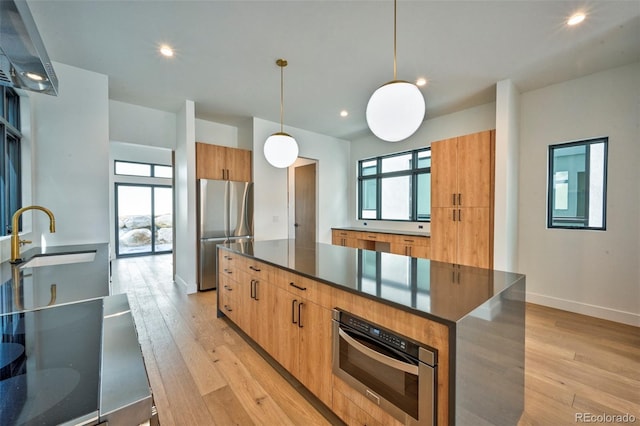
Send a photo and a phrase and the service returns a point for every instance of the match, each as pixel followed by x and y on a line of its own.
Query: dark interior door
pixel 305 199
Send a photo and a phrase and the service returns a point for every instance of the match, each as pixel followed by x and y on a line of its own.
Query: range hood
pixel 24 63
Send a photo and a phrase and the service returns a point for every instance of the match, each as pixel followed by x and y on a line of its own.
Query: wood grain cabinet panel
pixel 406 245
pixel 222 163
pixel 462 194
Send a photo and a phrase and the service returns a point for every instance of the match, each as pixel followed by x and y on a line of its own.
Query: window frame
pixel 551 182
pixel 11 165
pixel 413 172
pixel 152 166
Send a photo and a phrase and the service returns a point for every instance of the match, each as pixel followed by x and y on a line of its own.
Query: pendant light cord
pixel 395 66
pixel 281 97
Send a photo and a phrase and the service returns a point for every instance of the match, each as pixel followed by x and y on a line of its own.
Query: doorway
pixel 305 206
pixel 144 219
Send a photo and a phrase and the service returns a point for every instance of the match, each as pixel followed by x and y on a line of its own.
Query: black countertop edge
pixel 417 312
pixel 385 231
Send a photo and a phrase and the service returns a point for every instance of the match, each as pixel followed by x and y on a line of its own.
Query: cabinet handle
pixel 254 290
pixel 228 271
pixel 226 287
pixel 298 287
pixel 453 199
pixel 409 247
pixel 408 241
pixel 227 308
pixel 293 311
pixel 454 215
pixel 254 269
pixel 300 315
pixel 459 199
pixel 459 215
pixel 373 237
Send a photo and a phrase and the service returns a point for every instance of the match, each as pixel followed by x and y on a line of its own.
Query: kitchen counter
pixel 69 352
pixel 384 231
pixel 439 291
pixel 27 288
pixel 483 311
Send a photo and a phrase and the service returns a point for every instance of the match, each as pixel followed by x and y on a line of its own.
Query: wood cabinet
pixel 288 315
pixel 462 193
pixel 406 245
pixel 302 316
pixel 343 238
pixel 222 163
pixel 411 246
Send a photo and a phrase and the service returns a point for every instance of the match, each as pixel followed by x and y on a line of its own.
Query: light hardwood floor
pixel 203 372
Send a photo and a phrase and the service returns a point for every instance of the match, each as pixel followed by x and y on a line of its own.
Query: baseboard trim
pixel 585 309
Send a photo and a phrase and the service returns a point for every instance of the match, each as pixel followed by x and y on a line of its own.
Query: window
pixel 395 187
pixel 129 168
pixel 577 185
pixel 11 166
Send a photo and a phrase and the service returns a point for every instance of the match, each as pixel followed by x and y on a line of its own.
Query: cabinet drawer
pixel 353 407
pixel 228 305
pixel 411 240
pixel 319 293
pixel 228 284
pixel 227 260
pixel 256 269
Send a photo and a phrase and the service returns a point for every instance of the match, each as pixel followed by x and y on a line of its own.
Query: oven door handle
pixel 391 362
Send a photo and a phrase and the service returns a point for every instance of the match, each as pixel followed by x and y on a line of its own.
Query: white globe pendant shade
pixel 280 150
pixel 395 111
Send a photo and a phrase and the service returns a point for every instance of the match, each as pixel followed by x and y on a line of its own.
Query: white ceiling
pixel 339 52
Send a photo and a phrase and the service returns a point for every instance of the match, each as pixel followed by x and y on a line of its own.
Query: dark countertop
pixel 439 291
pixel 69 355
pixel 29 288
pixel 385 231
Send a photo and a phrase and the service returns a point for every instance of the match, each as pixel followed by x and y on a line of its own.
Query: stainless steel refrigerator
pixel 225 214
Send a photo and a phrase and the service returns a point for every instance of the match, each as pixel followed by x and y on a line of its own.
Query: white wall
pixel 140 125
pixel 216 133
pixel 271 216
pixel 505 235
pixel 185 198
pixel 471 120
pixel 591 272
pixel 70 148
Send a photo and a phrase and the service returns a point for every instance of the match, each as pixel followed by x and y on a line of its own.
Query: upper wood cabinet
pixel 462 171
pixel 222 163
pixel 462 194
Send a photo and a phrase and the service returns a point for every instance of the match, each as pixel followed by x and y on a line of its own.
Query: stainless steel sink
pixel 59 259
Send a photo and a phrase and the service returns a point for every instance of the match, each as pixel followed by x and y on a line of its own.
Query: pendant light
pixel 281 149
pixel 396 109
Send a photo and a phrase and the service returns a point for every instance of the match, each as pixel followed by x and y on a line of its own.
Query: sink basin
pixel 59 259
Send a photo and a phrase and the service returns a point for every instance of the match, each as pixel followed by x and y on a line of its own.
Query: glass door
pixel 144 219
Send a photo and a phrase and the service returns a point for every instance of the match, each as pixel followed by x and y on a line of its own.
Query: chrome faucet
pixel 16 242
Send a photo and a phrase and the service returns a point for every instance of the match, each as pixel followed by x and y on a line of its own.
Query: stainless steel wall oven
pixel 393 371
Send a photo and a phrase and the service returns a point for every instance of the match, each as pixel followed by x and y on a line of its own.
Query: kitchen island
pixel 473 318
pixel 69 352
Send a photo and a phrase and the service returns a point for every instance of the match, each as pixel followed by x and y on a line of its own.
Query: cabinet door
pixel 443 173
pixel 238 164
pixel 475 159
pixel 210 161
pixel 443 234
pixel 315 350
pixel 474 237
pixel 282 340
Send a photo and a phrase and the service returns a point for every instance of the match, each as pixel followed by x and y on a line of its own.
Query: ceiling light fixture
pixel 344 113
pixel 576 19
pixel 281 149
pixel 166 51
pixel 421 82
pixel 396 109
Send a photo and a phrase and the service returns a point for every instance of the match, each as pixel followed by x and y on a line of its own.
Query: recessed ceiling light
pixel 344 113
pixel 576 19
pixel 166 51
pixel 421 81
pixel 33 76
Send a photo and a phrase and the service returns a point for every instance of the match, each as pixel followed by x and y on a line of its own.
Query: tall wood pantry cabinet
pixel 462 197
pixel 222 163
